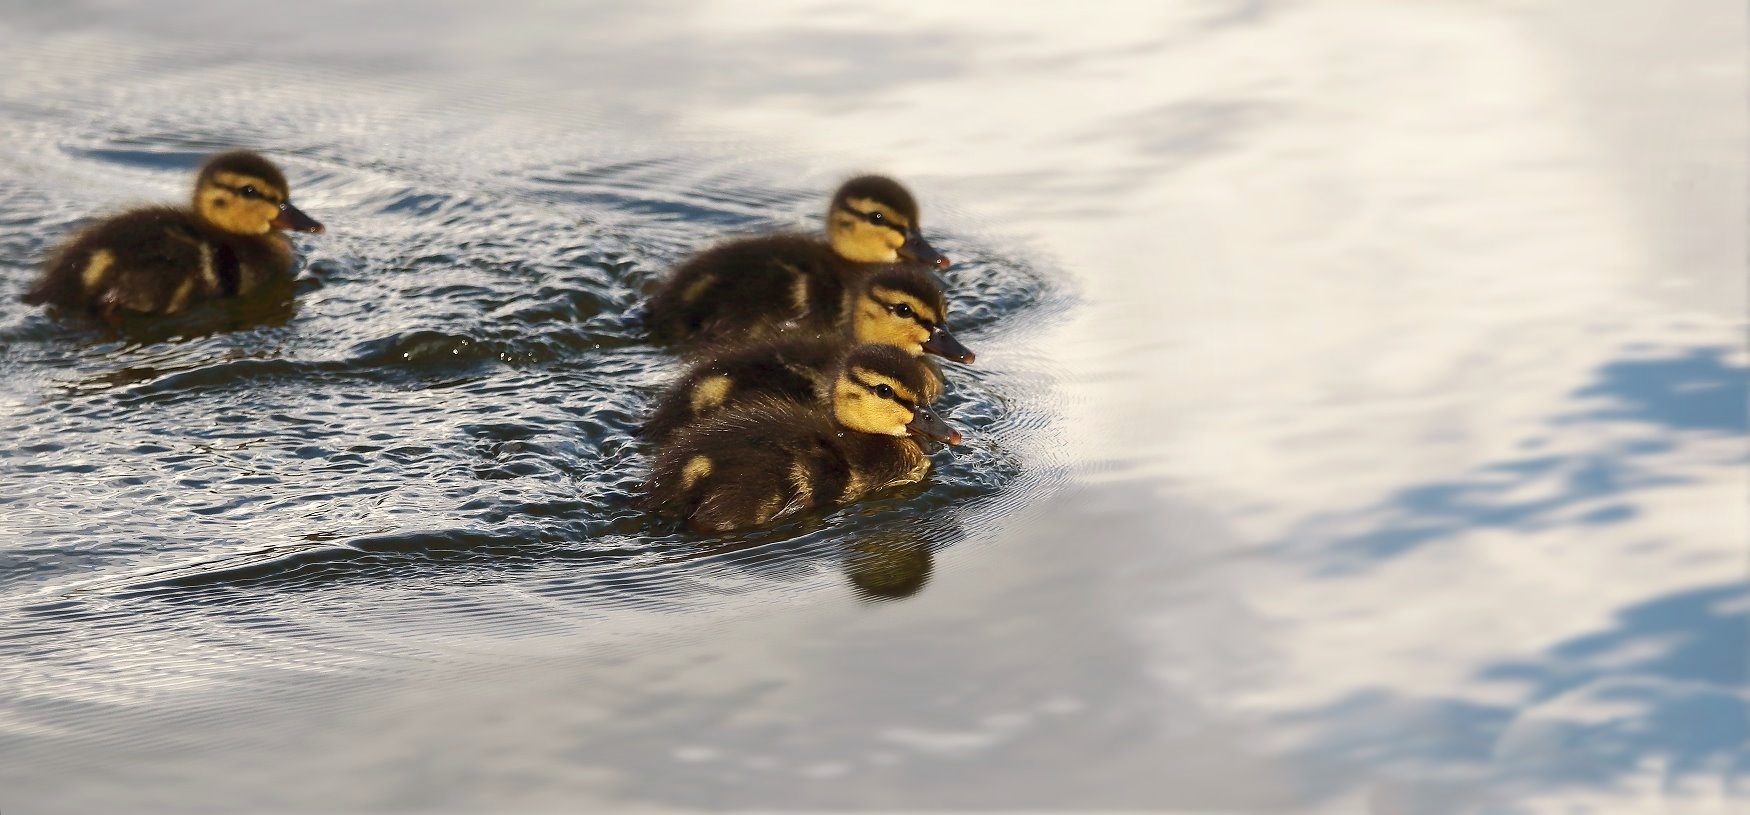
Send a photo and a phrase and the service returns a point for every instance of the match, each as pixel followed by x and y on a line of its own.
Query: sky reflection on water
pixel 1399 419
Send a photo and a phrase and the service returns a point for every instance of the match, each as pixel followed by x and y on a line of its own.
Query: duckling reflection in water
pixel 898 306
pixel 760 287
pixel 162 260
pixel 767 458
pixel 888 566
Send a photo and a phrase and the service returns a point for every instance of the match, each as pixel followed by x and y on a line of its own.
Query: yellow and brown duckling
pixel 767 458
pixel 797 370
pixel 761 282
pixel 161 260
pixel 874 219
pixel 900 306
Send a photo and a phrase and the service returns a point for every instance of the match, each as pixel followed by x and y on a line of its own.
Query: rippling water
pixel 1358 423
pixel 442 407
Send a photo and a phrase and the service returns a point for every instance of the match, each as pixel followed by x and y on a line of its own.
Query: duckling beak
pixel 941 343
pixel 917 249
pixel 292 218
pixel 927 424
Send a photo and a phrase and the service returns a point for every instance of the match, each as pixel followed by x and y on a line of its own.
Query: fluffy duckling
pixel 768 458
pixel 874 219
pixel 161 260
pixel 872 222
pixel 886 305
pixel 900 306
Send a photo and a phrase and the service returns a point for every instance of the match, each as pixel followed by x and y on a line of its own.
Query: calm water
pixel 1358 423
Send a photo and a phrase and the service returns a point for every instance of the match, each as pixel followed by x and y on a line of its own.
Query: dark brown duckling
pixel 748 285
pixel 766 458
pixel 161 260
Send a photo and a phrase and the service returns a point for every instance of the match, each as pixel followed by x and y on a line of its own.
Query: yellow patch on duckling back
pixel 710 392
pixel 698 467
pixel 919 468
pixel 691 293
pixel 769 509
pixel 96 269
pixel 209 275
pixel 854 488
pixel 801 481
pixel 180 298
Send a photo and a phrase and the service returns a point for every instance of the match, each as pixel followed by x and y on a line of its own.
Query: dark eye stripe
pixel 916 317
pixel 870 218
pixel 264 196
pixel 909 405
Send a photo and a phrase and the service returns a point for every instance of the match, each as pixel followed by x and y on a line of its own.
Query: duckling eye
pixel 877 218
pixel 249 191
pixel 884 391
pixel 902 310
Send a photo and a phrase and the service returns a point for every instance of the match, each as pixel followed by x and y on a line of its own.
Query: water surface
pixel 1359 423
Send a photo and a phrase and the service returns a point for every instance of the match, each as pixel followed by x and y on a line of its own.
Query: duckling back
pixel 765 459
pixel 750 290
pixel 158 260
pixel 798 370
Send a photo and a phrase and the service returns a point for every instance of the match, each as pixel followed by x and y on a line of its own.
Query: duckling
pixel 735 287
pixel 768 303
pixel 900 306
pixel 767 458
pixel 161 260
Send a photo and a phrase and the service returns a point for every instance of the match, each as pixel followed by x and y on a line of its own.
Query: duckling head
pixel 243 193
pixel 904 306
pixel 875 220
pixel 878 391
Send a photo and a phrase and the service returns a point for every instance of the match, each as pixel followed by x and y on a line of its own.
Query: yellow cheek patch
pixel 857 408
pixel 238 215
pixel 886 329
pixel 856 239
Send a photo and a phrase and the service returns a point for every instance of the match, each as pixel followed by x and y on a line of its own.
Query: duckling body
pixel 765 458
pixel 162 260
pixel 796 370
pixel 762 287
pixel 754 289
pixel 899 305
